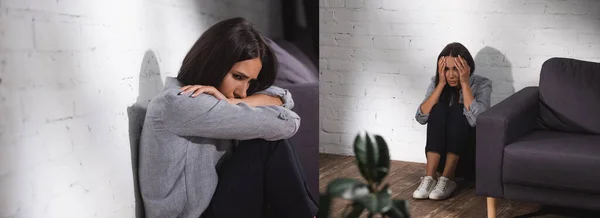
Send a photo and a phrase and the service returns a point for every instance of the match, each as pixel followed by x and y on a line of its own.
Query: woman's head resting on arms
pixel 231 56
pixel 449 53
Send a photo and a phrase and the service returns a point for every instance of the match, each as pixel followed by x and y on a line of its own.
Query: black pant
pixel 449 132
pixel 260 173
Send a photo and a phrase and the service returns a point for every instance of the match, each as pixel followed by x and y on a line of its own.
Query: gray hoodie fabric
pixel 481 88
pixel 184 139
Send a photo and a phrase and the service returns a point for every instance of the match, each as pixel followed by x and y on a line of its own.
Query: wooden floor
pixel 404 178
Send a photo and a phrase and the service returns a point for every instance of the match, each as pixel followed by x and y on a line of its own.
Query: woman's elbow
pixel 286 131
pixel 292 128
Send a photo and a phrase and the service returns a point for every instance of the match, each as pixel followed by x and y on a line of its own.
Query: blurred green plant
pixel 373 159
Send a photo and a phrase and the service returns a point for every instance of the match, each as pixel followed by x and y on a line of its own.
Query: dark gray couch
pixel 300 76
pixel 542 144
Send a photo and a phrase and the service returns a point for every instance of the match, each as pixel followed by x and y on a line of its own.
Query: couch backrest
pixel 570 96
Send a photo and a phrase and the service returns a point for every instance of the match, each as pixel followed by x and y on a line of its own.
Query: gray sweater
pixel 482 90
pixel 183 140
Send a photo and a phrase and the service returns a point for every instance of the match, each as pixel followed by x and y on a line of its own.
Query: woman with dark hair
pixel 453 101
pixel 214 140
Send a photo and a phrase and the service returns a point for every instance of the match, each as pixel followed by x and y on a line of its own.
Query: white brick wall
pixel 69 71
pixel 377 57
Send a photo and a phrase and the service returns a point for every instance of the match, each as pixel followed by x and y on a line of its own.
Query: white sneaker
pixel 427 184
pixel 443 189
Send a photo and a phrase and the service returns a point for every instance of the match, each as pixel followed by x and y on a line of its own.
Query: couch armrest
pixel 497 127
pixel 306 140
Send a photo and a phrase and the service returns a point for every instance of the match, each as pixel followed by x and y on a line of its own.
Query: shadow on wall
pixel 265 15
pixel 150 85
pixel 493 64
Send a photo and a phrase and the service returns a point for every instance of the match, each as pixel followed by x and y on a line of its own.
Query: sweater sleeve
pixel 283 94
pixel 480 103
pixel 420 117
pixel 206 116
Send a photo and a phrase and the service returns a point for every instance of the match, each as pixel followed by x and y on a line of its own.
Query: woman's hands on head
pixel 442 71
pixel 464 70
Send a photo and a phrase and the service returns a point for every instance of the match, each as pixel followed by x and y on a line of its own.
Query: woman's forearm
pixel 467 96
pixel 432 99
pixel 262 100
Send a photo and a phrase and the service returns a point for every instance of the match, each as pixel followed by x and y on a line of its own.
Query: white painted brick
pixel 347 40
pixel 329 138
pixel 335 27
pixel 332 126
pixel 345 65
pixel 330 76
pixel 508 39
pixel 376 104
pixel 594 10
pixel 347 140
pixel 328 113
pixel 383 92
pixel 69 70
pixel 524 35
pixel 331 3
pixel 340 102
pixel 337 149
pixel 424 43
pixel 502 87
pixel 357 117
pixel 335 52
pixel 589 38
pixel 567 7
pixel 15 34
pixel 54 36
pixel 372 28
pixel 556 36
pixel 391 42
pixel 374 4
pixel 416 30
pixel 382 67
pixel 363 78
pixel 340 90
pixel 402 5
pixel 323 63
pixel 325 15
pixel 355 3
pixel 327 39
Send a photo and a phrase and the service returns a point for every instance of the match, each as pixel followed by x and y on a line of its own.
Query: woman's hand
pixel 464 71
pixel 442 74
pixel 198 89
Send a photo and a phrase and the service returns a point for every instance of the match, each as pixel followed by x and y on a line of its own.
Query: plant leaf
pixel 372 158
pixel 346 188
pixel 360 151
pixel 357 209
pixel 379 202
pixel 324 206
pixel 399 209
pixel 383 161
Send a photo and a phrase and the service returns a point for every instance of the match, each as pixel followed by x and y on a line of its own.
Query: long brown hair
pixel 220 47
pixel 449 93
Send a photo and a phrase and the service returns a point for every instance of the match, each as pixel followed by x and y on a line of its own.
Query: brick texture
pixel 377 58
pixel 70 73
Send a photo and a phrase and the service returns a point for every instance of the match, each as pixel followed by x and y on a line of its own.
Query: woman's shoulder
pixel 477 80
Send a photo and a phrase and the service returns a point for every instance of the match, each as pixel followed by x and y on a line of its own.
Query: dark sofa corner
pixel 542 144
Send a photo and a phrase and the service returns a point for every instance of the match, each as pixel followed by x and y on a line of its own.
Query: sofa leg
pixel 491 207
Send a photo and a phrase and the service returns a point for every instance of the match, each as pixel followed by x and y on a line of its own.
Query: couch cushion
pixel 291 70
pixel 554 160
pixel 570 96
